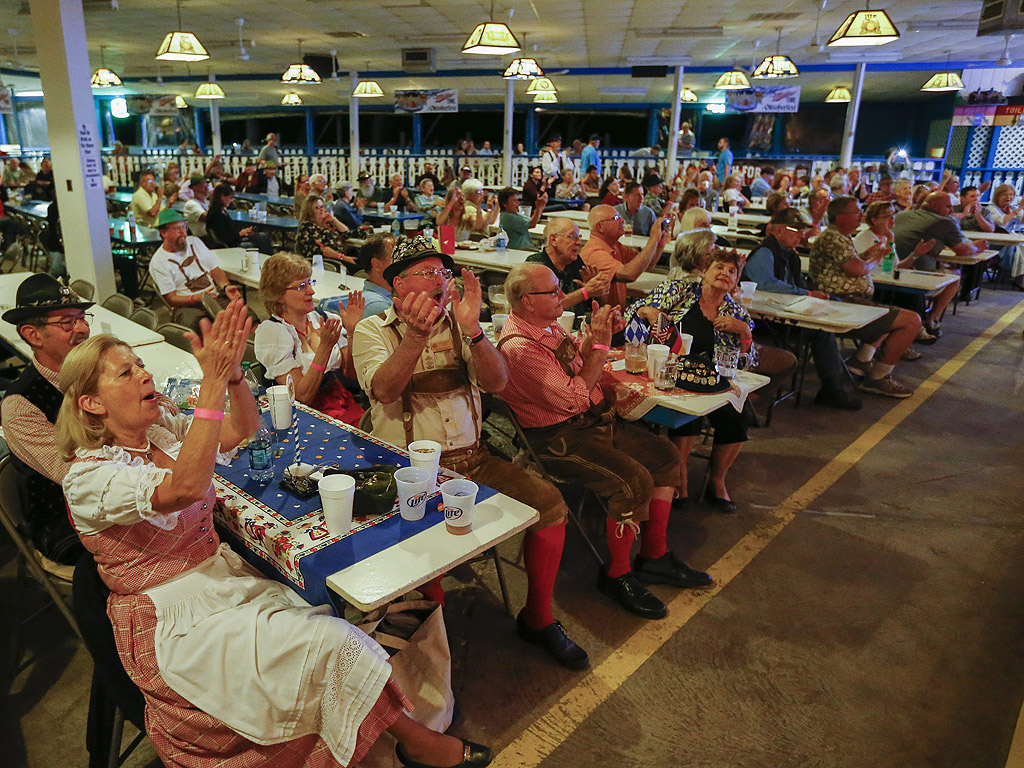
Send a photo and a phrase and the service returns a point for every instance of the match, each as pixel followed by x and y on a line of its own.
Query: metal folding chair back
pixel 147 317
pixel 120 304
pixel 83 288
pixel 174 333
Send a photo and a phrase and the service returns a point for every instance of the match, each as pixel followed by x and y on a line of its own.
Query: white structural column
pixel 673 128
pixel 353 130
pixel 852 109
pixel 507 148
pixel 215 121
pixel 74 141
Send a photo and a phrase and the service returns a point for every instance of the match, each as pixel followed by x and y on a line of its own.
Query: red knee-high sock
pixel 652 540
pixel 542 552
pixel 620 541
pixel 432 590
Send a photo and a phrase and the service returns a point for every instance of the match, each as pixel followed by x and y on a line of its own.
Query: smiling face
pixel 148 182
pixel 512 204
pixel 427 187
pixel 721 275
pixel 51 340
pixel 425 276
pixel 969 198
pixel 536 173
pixel 125 396
pixel 298 296
pixel 174 236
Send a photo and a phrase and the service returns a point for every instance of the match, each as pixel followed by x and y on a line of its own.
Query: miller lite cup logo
pixel 414 501
pixel 452 514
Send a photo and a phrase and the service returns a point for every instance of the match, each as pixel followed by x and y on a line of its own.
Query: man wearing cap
pixel 197 206
pixel 147 200
pixel 269 183
pixel 183 269
pixel 619 263
pixel 655 197
pixel 423 366
pixel 269 151
pixel 883 192
pixel 52 319
pixel 775 266
pixel 554 160
pixel 465 174
pixel 560 254
pixel 553 390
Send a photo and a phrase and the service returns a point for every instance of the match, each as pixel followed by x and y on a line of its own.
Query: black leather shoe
pixel 473 756
pixel 669 569
pixel 553 639
pixel 631 595
pixel 837 398
pixel 717 503
pixel 681 503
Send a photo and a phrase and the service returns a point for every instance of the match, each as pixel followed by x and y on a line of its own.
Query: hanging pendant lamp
pixel 541 85
pixel 181 46
pixel 733 80
pixel 292 100
pixel 367 89
pixel 865 27
pixel 209 90
pixel 688 96
pixel 839 95
pixel 300 73
pixel 777 67
pixel 547 97
pixel 492 38
pixel 180 102
pixel 103 77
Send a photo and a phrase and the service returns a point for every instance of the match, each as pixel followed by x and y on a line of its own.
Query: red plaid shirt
pixel 538 390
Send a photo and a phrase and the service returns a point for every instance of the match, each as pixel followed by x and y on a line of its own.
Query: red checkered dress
pixel 136 557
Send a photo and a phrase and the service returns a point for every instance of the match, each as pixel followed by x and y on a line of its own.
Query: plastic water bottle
pixel 131 223
pixel 887 261
pixel 396 228
pixel 250 377
pixel 261 455
pixel 734 217
pixel 501 241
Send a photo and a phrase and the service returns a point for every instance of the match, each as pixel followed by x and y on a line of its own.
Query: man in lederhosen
pixel 183 269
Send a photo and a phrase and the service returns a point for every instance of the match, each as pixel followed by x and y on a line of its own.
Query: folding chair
pixel 174 333
pixel 53 577
pixel 501 407
pixel 147 317
pixel 120 304
pixel 83 288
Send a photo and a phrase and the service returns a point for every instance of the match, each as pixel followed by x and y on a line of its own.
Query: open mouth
pixel 150 397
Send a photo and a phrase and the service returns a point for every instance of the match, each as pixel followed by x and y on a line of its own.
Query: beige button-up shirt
pixel 447 419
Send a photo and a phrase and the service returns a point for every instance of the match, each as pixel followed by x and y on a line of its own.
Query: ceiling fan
pixel 243 55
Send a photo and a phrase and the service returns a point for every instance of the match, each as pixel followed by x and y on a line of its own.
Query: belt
pixel 456 455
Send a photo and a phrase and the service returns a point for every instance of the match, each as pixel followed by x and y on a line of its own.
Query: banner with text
pixel 155 106
pixel 6 102
pixel 431 100
pixel 769 98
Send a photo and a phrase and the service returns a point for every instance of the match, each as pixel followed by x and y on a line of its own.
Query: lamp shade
pixel 733 80
pixel 541 85
pixel 492 38
pixel 775 68
pixel 180 102
pixel 209 90
pixel 865 28
pixel 943 81
pixel 688 95
pixel 292 100
pixel 367 89
pixel 300 73
pixel 181 46
pixel 839 95
pixel 523 69
pixel 547 97
pixel 105 78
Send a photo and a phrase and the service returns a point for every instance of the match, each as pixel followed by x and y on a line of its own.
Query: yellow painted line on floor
pixel 563 717
pixel 1015 759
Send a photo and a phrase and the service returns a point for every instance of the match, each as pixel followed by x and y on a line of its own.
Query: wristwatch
pixel 471 340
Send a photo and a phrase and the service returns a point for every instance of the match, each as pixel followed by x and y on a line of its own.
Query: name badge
pixel 443 344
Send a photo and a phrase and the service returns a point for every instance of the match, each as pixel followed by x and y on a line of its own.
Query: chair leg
pixel 114 758
pixel 493 552
pixel 575 516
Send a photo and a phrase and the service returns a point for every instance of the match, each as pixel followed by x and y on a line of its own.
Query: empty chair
pixel 147 317
pixel 83 288
pixel 174 333
pixel 120 304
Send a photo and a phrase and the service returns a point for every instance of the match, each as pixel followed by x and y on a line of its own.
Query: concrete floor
pixel 880 626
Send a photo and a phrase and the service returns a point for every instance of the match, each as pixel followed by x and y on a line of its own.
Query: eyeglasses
pixel 67 324
pixel 432 273
pixel 555 292
pixel 575 237
pixel 302 286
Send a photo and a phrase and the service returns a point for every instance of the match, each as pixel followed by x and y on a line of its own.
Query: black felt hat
pixel 41 293
pixel 410 251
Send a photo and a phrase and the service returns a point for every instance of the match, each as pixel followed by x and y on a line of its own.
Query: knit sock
pixel 652 541
pixel 865 353
pixel 880 370
pixel 542 552
pixel 620 542
pixel 432 590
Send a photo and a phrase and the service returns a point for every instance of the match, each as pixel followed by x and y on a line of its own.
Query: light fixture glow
pixel 181 46
pixel 865 27
pixel 491 39
pixel 30 94
pixel 943 81
pixel 180 103
pixel 688 96
pixel 547 97
pixel 292 100
pixel 367 89
pixel 119 108
pixel 733 80
pixel 301 72
pixel 523 69
pixel 777 67
pixel 103 77
pixel 541 85
pixel 209 90
pixel 839 95
pixel 716 108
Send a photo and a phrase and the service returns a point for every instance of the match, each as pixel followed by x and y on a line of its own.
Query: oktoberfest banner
pixel 429 100
pixel 768 98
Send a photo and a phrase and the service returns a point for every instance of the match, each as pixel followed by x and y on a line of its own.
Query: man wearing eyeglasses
pixel 423 366
pixel 183 270
pixel 52 319
pixel 560 254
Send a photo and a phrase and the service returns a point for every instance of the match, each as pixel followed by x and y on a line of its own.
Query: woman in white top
pixel 236 670
pixel 879 218
pixel 732 193
pixel 306 344
pixel 1005 215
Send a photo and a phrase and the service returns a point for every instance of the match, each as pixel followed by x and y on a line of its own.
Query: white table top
pixel 910 279
pixel 998 238
pixel 104 320
pixel 230 260
pixel 164 360
pixel 577 216
pixel 497 261
pixel 947 255
pixel 744 218
pixel 381 578
pixel 840 317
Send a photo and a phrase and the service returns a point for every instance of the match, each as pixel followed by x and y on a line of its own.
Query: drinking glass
pixel 636 357
pixel 726 360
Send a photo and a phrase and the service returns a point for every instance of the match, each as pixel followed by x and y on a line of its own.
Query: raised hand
pixel 220 345
pixel 353 311
pixel 330 332
pixel 595 282
pixel 419 311
pixel 924 247
pixel 466 309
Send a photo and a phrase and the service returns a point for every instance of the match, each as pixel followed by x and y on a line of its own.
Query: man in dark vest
pixel 52 319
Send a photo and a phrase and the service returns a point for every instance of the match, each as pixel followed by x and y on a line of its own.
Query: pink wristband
pixel 586 296
pixel 605 347
pixel 318 367
pixel 209 414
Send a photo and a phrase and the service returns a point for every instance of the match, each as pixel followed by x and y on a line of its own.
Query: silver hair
pixel 691 250
pixel 520 281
